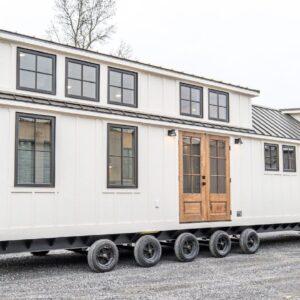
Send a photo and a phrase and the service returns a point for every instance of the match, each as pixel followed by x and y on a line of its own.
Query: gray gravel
pixel 272 273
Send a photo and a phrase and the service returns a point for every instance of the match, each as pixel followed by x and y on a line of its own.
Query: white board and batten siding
pixel 81 204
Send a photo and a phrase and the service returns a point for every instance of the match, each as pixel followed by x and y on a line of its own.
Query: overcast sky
pixel 254 43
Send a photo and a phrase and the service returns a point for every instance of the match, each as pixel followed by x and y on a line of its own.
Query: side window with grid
pixel 271 157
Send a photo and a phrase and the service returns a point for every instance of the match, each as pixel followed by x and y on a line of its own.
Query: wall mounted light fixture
pixel 171 132
pixel 238 141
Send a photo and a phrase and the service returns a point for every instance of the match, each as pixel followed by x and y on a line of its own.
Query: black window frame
pixel 135 90
pixel 277 147
pixel 82 63
pixel 36 53
pixel 108 185
pixel 190 86
pixel 53 137
pixel 218 106
pixel 290 170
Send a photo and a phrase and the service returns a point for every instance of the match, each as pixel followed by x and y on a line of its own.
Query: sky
pixel 253 43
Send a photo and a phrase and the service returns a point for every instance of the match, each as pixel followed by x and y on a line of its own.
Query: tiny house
pixel 100 152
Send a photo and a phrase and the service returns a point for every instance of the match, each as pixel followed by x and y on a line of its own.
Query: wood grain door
pixel 192 170
pixel 204 178
pixel 218 187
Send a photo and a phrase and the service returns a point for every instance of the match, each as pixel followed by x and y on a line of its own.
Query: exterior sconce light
pixel 238 141
pixel 171 132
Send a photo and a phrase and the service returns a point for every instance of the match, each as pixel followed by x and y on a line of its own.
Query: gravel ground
pixel 272 273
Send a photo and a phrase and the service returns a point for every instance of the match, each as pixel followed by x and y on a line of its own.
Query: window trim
pixel 53 138
pixel 37 53
pixel 227 106
pixel 135 186
pixel 200 88
pixel 278 156
pixel 135 91
pixel 289 170
pixel 82 63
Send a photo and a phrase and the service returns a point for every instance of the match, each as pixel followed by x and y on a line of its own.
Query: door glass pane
pixel 115 141
pixel 128 81
pixel 27 79
pixel 89 73
pixel 221 149
pixel 115 94
pixel 74 70
pixel 185 107
pixel 114 171
pixel 195 146
pixel 74 87
pixel 44 82
pixel 213 148
pixel 115 78
pixel 186 164
pixel 196 184
pixel 213 184
pixel 187 184
pixel 27 61
pixel 221 184
pixel 195 162
pixel 44 64
pixel 89 90
pixel 221 166
pixel 213 166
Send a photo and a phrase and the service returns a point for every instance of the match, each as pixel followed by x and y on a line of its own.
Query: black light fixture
pixel 171 132
pixel 238 141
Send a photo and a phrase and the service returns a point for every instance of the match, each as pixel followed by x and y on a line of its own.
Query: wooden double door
pixel 204 177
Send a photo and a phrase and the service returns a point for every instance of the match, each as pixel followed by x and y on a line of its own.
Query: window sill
pixel 121 192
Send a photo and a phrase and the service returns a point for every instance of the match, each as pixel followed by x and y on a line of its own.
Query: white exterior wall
pixel 80 203
pixel 157 93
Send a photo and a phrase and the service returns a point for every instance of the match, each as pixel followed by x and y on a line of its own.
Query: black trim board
pixel 119 112
pixel 75 242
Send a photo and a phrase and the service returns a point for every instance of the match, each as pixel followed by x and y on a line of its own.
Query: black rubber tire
pixel 186 247
pixel 219 244
pixel 249 241
pixel 40 253
pixel 147 251
pixel 103 256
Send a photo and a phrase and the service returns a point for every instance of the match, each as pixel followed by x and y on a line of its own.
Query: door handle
pixel 203 183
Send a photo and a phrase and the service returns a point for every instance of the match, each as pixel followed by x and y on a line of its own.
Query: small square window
pixel 289 158
pixel 122 87
pixel 82 80
pixel 218 103
pixel 191 100
pixel 271 157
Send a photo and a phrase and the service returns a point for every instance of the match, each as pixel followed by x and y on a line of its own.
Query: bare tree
pixel 124 50
pixel 82 23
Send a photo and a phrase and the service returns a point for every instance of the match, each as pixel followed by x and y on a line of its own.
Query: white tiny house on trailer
pixel 99 151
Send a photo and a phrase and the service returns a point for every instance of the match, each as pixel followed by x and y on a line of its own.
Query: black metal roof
pixel 266 121
pixel 272 122
pixel 128 60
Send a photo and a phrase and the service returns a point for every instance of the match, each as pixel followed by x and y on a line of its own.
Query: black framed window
pixel 218 105
pixel 271 157
pixel 289 158
pixel 36 71
pixel 122 87
pixel 122 156
pixel 191 100
pixel 82 80
pixel 34 161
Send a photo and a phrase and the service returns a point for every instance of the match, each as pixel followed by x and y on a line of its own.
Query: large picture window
pixel 218 103
pixel 271 157
pixel 36 71
pixel 289 158
pixel 34 164
pixel 122 156
pixel 191 100
pixel 122 87
pixel 82 80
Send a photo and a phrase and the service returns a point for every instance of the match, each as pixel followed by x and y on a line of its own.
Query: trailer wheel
pixel 103 256
pixel 186 247
pixel 40 253
pixel 219 244
pixel 147 251
pixel 249 241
